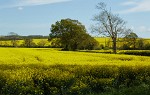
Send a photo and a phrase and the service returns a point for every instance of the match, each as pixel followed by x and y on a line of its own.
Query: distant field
pixel 147 39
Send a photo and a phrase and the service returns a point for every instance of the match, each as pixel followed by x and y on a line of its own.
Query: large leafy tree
pixel 109 24
pixel 70 33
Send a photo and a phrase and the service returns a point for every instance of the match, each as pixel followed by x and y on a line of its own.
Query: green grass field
pixel 40 71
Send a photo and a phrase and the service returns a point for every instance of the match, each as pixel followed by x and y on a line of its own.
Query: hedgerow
pixel 136 52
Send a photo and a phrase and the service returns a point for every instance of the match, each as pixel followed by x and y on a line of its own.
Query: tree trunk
pixel 114 46
pixel 75 47
pixel 66 47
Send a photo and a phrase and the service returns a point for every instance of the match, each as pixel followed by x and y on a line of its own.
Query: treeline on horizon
pixel 20 37
pixel 104 43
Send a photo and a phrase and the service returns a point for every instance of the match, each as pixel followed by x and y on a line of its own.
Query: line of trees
pixel 15 36
pixel 29 43
pixel 27 40
pixel 129 42
pixel 133 42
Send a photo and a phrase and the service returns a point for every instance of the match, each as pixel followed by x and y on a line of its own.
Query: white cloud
pixel 137 6
pixel 22 3
pixel 39 2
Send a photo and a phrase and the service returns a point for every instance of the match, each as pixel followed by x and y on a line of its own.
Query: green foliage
pixel 136 52
pixel 41 43
pixel 14 43
pixel 55 43
pixel 104 43
pixel 72 35
pixel 28 42
pixel 131 35
pixel 130 41
pixel 147 46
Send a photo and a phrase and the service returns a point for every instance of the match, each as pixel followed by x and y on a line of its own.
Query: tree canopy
pixel 131 40
pixel 72 35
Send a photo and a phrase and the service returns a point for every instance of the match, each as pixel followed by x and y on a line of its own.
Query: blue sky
pixel 34 17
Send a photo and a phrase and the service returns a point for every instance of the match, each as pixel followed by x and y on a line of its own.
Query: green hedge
pixel 136 52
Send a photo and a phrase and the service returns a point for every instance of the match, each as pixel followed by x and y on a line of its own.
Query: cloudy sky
pixel 34 17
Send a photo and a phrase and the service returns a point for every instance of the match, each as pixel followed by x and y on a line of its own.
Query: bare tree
pixel 109 24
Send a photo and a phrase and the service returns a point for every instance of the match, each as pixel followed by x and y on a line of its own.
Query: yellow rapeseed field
pixel 55 56
pixel 47 71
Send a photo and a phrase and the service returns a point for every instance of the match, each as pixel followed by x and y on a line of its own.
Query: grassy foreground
pixel 52 72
